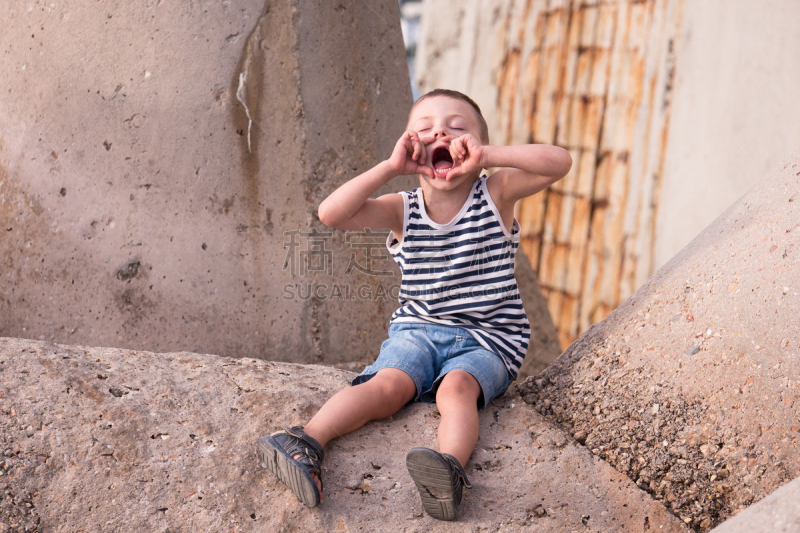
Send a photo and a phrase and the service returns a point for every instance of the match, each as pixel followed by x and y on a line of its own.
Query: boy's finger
pixel 404 139
pixel 418 154
pixel 457 152
pixel 454 152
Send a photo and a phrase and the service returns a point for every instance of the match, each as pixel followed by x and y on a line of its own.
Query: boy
pixel 461 332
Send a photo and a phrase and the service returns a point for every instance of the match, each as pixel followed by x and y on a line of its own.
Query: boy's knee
pixel 395 386
pixel 458 384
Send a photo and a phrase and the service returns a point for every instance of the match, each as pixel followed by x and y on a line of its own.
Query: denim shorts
pixel 427 352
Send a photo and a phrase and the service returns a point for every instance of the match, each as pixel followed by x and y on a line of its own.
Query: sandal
pixel 277 453
pixel 439 478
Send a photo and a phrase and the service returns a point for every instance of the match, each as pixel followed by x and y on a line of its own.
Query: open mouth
pixel 441 161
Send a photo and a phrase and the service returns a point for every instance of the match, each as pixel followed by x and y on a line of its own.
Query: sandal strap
pixel 295 441
pixel 458 469
pixel 298 433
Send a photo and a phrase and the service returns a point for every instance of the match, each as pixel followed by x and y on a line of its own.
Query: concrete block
pixel 161 165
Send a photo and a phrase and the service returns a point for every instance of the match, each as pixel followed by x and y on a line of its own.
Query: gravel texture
pixel 779 513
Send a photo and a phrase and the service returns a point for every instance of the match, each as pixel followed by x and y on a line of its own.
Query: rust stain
pixel 508 75
pixel 569 309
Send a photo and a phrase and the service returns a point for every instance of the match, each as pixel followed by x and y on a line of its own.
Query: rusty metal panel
pixel 550 87
pixel 555 300
pixel 558 278
pixel 590 127
pixel 567 215
pixel 570 181
pixel 578 240
pixel 507 89
pixel 551 221
pixel 586 169
pixel 569 309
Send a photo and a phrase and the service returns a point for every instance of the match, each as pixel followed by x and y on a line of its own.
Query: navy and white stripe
pixel 462 273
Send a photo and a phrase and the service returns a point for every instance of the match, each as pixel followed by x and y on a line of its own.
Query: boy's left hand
pixel 467 152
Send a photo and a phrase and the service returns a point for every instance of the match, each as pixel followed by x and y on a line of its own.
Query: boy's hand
pixel 409 156
pixel 467 153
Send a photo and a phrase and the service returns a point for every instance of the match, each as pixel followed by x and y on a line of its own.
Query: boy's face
pixel 439 120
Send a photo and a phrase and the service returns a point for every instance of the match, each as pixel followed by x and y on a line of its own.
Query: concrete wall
pixel 141 207
pixel 735 111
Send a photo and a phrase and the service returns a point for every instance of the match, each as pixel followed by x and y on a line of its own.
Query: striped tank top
pixel 462 273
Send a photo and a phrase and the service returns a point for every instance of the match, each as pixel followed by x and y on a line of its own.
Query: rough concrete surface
pixel 778 513
pixel 161 164
pixel 104 439
pixel 691 386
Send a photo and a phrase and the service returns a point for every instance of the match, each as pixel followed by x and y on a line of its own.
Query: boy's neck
pixel 442 205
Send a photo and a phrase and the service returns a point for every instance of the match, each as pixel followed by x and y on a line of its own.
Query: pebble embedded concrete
pixel 779 513
pixel 690 387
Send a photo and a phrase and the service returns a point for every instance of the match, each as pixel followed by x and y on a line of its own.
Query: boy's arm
pixel 527 169
pixel 350 207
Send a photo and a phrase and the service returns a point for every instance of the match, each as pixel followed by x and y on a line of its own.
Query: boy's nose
pixel 439 130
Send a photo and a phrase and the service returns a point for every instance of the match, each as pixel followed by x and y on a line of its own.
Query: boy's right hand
pixel 409 156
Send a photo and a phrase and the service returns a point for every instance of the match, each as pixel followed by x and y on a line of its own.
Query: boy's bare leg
pixel 457 400
pixel 351 408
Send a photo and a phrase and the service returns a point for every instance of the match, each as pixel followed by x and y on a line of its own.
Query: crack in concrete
pixel 241 94
pixel 243 390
